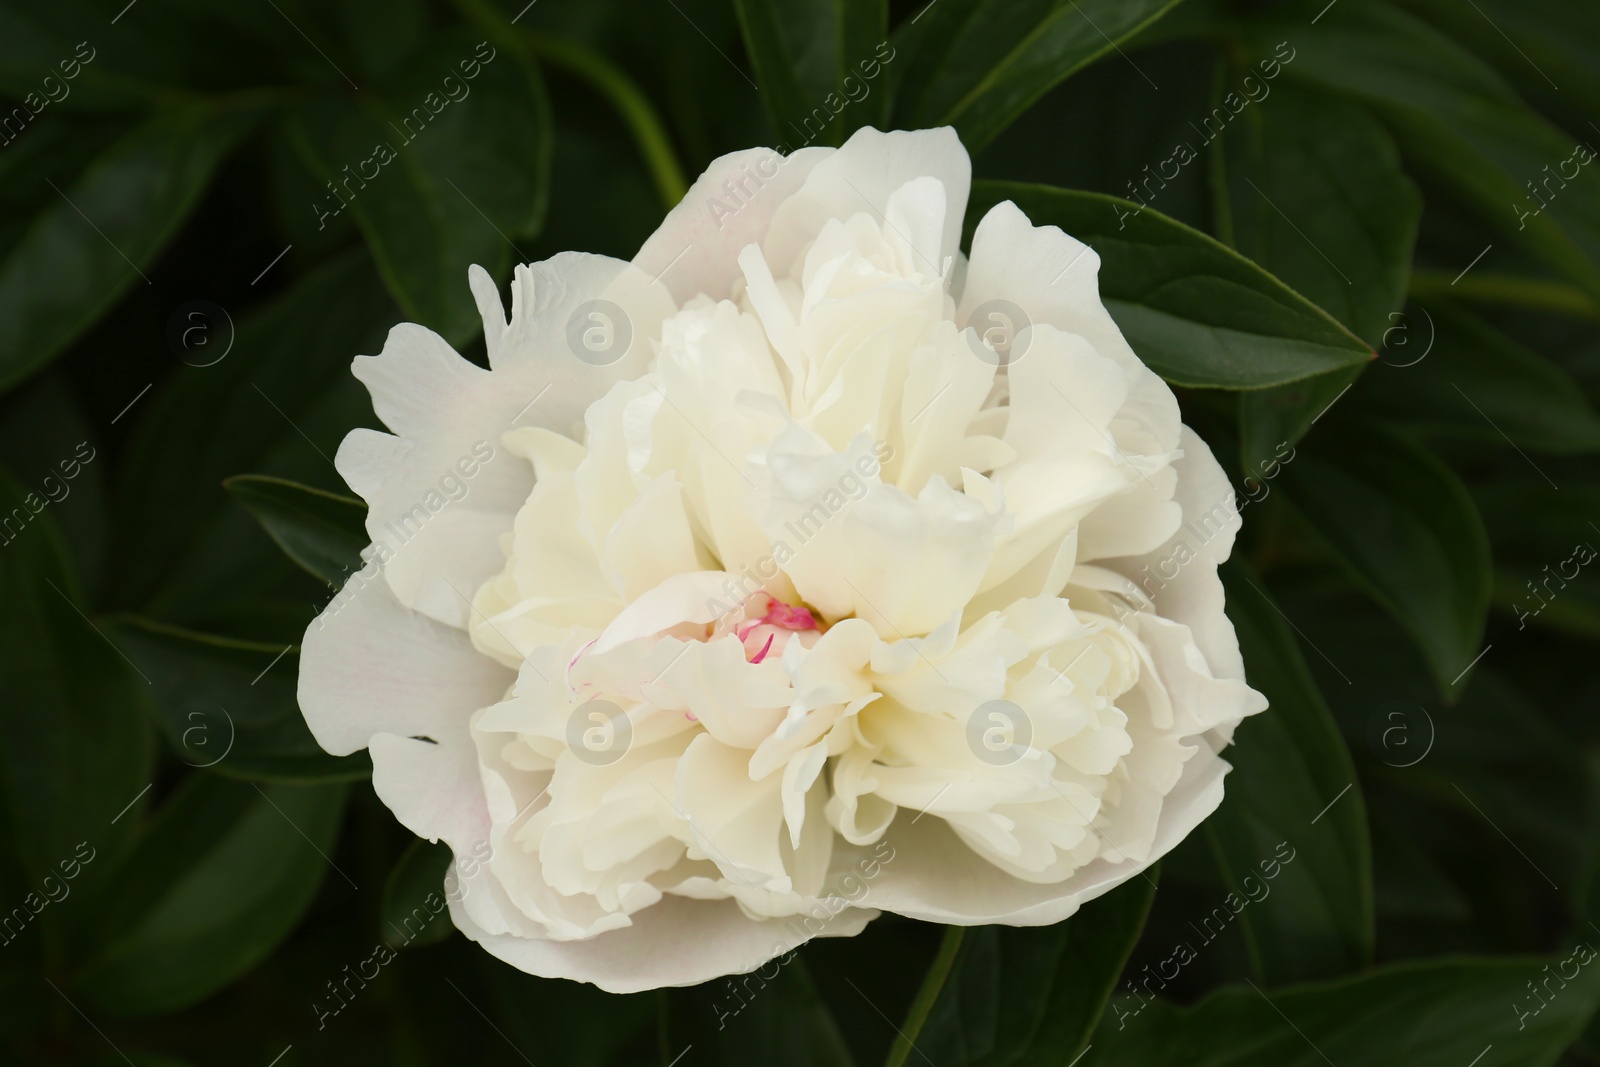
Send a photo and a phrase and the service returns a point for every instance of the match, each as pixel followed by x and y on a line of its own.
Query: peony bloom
pixel 800 570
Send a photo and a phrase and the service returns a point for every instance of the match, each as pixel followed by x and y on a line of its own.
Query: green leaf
pixel 1541 577
pixel 75 749
pixel 292 187
pixel 142 61
pixel 413 897
pixel 229 706
pixel 627 98
pixel 1460 127
pixel 1446 1013
pixel 1406 530
pixel 1315 194
pixel 1548 49
pixel 977 64
pixel 37 156
pixel 812 58
pixel 94 236
pixel 439 169
pixel 607 205
pixel 1031 997
pixel 217 881
pixel 1273 420
pixel 790 1026
pixel 1408 884
pixel 1530 784
pixel 1293 785
pixel 323 532
pixel 1120 144
pixel 382 34
pixel 1476 382
pixel 1198 313
pixel 278 403
pixel 45 436
pixel 1459 784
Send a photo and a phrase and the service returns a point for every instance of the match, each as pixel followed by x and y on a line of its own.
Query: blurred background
pixel 207 209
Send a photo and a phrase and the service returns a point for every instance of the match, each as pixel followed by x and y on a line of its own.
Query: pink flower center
pixel 769 631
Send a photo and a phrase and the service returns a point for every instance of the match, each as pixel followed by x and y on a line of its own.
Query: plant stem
pixel 1505 289
pixel 649 132
pixel 927 995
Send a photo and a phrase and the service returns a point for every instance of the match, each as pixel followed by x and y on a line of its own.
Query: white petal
pixel 1181 576
pixel 678 942
pixel 696 596
pixel 368 666
pixel 1054 278
pixel 437 567
pixel 449 415
pixel 553 315
pixel 933 877
pixel 738 702
pixel 432 787
pixel 696 248
pixel 732 821
pixel 798 777
pixel 651 540
pixel 861 176
pixel 869 555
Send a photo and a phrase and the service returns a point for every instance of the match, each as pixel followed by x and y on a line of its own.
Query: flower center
pixel 767 624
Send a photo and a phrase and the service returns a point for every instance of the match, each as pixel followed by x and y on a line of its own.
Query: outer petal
pixel 1181 576
pixel 1066 397
pixel 678 942
pixel 536 347
pixel 449 415
pixel 934 877
pixel 861 176
pixel 369 666
pixel 696 248
pixel 1054 278
pixel 437 792
pixel 433 787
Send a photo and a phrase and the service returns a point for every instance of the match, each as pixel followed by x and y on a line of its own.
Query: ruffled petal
pixel 931 877
pixel 448 416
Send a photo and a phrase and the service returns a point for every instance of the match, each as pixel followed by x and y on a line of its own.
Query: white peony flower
pixel 800 570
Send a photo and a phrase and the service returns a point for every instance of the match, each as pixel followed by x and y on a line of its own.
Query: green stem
pixel 239 644
pixel 649 132
pixel 1217 170
pixel 928 995
pixel 1510 289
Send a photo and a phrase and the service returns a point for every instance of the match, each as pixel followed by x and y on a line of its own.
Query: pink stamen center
pixel 790 618
pixel 759 656
pixel 777 620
